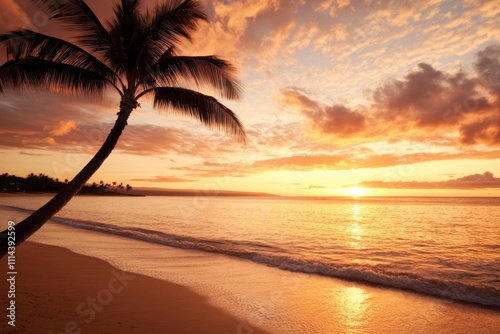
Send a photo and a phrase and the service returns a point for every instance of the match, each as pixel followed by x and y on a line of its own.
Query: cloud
pixel 474 181
pixel 162 179
pixel 426 98
pixel 138 139
pixel 32 154
pixel 269 35
pixel 314 162
pixel 485 131
pixel 295 96
pixel 52 122
pixel 348 160
pixel 425 103
pixel 316 187
pixel 335 119
pixel 339 50
pixel 209 169
pixel 489 8
pixel 488 68
pixel 153 140
pixel 237 16
pixel 335 48
pixel 62 128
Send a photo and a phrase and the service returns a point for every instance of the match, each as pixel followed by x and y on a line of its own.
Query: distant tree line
pixel 34 183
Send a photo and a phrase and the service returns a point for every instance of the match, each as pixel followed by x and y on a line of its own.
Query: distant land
pixel 44 184
pixel 194 192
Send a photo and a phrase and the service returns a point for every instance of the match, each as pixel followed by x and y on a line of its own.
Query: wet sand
pixel 58 291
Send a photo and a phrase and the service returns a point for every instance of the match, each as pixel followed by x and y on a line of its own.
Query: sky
pixel 341 98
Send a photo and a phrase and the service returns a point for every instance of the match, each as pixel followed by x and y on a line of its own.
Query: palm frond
pixel 79 17
pixel 149 74
pixel 202 107
pixel 126 33
pixel 25 43
pixel 39 74
pixel 170 22
pixel 205 72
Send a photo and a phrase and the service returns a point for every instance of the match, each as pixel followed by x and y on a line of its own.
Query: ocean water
pixel 444 248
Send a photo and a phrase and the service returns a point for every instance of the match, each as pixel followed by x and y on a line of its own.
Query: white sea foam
pixel 424 265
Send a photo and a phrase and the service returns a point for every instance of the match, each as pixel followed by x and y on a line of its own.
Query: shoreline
pixel 266 297
pixel 488 304
pixel 59 290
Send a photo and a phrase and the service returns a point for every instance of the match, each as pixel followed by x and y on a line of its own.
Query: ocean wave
pixel 280 258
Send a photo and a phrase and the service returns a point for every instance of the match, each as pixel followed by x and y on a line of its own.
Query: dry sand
pixel 58 291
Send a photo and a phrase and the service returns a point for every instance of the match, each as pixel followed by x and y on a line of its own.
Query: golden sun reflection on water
pixel 354 303
pixel 355 211
pixel 355 230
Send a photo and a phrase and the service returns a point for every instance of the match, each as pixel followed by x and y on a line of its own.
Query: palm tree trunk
pixel 35 221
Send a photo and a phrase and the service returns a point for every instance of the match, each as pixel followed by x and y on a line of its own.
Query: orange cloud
pixel 49 128
pixel 48 116
pixel 295 96
pixel 316 187
pixel 425 103
pixel 430 98
pixel 312 162
pixel 63 128
pixel 238 15
pixel 474 181
pixel 42 142
pixel 337 119
pixel 485 131
pixel 347 161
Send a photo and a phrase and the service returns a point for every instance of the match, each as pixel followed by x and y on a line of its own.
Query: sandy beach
pixel 58 291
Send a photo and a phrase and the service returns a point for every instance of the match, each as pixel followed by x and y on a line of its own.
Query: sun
pixel 356 191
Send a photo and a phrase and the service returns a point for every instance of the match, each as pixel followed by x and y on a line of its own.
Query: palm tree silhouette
pixel 135 55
